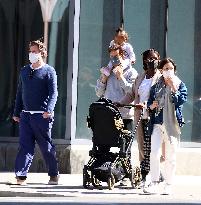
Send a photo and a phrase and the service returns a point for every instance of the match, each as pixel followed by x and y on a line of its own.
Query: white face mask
pixel 168 73
pixel 34 57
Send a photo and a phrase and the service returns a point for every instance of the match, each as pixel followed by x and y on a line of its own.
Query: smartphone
pixel 115 61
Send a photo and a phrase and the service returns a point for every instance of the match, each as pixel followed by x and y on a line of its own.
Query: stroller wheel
pixel 86 178
pixel 95 182
pixel 111 182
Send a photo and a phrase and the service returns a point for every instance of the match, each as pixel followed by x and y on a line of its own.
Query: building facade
pixel 77 33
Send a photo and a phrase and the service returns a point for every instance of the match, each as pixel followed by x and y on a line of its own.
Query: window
pixel 58 58
pixel 98 21
pixel 20 22
pixel 17 26
pixel 181 48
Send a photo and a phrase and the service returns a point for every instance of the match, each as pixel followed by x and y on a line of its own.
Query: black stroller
pixel 105 166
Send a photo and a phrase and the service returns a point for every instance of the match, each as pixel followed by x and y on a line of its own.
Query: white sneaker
pixel 167 189
pixel 148 180
pixel 152 188
pixel 125 182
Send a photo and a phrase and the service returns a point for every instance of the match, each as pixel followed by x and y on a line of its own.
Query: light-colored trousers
pixel 158 136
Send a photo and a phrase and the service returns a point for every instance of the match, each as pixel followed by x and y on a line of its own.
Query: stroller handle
pixel 134 132
pixel 126 106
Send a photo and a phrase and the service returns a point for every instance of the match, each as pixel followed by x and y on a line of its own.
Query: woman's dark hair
pixel 165 61
pixel 146 53
pixel 41 46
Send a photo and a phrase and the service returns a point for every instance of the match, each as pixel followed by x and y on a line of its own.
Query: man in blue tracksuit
pixel 34 110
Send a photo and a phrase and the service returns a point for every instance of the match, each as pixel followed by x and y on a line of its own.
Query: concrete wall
pixel 8 153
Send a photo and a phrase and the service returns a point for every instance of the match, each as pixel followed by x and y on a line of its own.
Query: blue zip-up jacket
pixel 37 92
pixel 178 98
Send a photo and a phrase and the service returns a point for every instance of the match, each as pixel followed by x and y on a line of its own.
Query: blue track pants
pixel 34 128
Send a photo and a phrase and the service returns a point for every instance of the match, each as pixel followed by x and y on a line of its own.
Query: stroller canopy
pixel 106 122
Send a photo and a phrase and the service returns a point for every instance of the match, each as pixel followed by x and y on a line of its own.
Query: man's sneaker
pixel 152 188
pixel 54 180
pixel 21 181
pixel 167 189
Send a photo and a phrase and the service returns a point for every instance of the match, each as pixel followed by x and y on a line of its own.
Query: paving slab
pixel 187 189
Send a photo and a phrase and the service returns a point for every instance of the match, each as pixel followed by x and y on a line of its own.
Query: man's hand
pixel 47 115
pixel 103 78
pixel 118 71
pixel 16 119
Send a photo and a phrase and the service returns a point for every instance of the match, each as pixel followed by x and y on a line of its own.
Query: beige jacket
pixel 134 96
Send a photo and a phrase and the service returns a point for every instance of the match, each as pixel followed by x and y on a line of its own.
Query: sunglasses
pixel 31 73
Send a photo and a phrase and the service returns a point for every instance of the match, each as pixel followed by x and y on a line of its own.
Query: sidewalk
pixel 187 189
